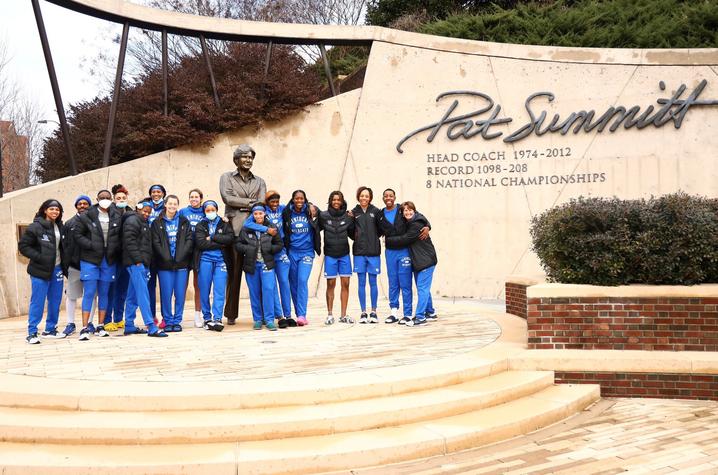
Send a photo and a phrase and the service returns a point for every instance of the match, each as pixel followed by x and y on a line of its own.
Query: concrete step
pixel 308 454
pixel 176 427
pixel 22 391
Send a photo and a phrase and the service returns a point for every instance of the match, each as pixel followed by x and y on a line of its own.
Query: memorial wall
pixel 480 136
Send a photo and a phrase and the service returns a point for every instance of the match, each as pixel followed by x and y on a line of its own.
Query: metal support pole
pixel 205 53
pixel 55 87
pixel 327 70
pixel 267 59
pixel 165 89
pixel 115 96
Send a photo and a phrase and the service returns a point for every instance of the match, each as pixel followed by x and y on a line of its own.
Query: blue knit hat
pixel 83 198
pixel 210 202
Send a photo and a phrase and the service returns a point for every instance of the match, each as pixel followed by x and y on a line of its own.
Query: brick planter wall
pixel 623 323
pixel 516 303
pixel 656 385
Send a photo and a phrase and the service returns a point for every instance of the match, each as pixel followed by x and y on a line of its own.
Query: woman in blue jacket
pixel 259 249
pixel 274 210
pixel 302 241
pixel 172 249
pixel 213 260
pixel 41 243
pixel 194 214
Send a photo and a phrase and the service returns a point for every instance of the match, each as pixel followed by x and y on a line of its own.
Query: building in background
pixel 15 158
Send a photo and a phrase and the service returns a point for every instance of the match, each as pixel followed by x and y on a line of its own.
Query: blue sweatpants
pixel 398 268
pixel 300 266
pixel 262 289
pixel 96 280
pixel 282 308
pixel 212 276
pixel 173 282
pixel 423 290
pixel 138 297
pixel 373 290
pixel 49 291
pixel 430 303
pixel 117 296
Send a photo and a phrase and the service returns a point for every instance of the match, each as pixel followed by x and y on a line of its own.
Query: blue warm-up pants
pixel 212 276
pixel 49 290
pixel 373 290
pixel 398 269
pixel 138 297
pixel 262 290
pixel 423 291
pixel 117 296
pixel 172 282
pixel 300 267
pixel 152 289
pixel 96 280
pixel 282 308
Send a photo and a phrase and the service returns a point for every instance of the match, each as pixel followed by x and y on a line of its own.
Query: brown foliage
pixel 142 129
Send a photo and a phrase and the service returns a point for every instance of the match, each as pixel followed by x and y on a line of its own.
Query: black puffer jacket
pixel 366 231
pixel 248 244
pixel 423 254
pixel 386 228
pixel 287 225
pixel 337 226
pixel 90 239
pixel 184 249
pixel 38 244
pixel 70 247
pixel 136 241
pixel 222 239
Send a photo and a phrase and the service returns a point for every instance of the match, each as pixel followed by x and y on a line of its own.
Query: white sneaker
pixel 329 320
pixel 198 320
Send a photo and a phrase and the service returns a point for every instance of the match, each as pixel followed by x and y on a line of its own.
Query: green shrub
pixel 668 240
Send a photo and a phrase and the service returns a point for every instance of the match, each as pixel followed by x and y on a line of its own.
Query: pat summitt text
pixel 500 168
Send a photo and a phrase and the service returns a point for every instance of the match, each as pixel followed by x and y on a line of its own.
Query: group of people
pixel 113 256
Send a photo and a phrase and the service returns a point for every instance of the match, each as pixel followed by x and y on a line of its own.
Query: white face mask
pixel 211 216
pixel 121 204
pixel 158 201
pixel 104 204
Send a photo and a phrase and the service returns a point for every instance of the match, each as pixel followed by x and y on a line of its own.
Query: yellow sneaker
pixel 120 325
pixel 111 327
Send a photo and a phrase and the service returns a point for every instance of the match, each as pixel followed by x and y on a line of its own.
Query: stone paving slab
pixel 628 436
pixel 242 353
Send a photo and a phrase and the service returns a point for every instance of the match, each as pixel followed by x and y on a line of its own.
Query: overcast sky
pixel 75 39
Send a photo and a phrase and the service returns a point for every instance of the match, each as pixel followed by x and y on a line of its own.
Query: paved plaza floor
pixel 628 436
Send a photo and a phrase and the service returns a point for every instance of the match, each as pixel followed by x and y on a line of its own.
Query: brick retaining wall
pixel 623 323
pixel 516 299
pixel 655 385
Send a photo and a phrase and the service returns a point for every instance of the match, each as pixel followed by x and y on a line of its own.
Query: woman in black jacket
pixel 41 243
pixel 367 251
pixel 258 249
pixel 114 318
pixel 212 263
pixel 423 258
pixel 172 249
pixel 337 226
pixel 98 235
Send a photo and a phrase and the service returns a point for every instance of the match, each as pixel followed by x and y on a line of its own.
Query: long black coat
pixel 90 239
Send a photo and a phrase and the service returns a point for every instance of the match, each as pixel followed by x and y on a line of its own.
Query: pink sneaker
pixel 301 321
pixel 162 323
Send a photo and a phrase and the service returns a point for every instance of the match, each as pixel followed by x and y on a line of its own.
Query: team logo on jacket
pixel 45 238
pixel 299 225
pixel 371 214
pixel 307 260
pixel 405 262
pixel 58 276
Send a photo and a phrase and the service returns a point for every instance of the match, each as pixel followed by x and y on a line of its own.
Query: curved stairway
pixel 282 425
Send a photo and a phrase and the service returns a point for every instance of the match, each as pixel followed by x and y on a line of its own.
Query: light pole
pixel 45 121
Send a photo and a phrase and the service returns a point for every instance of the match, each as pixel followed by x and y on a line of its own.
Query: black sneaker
pixel 69 329
pixel 430 316
pixel 373 318
pixel 54 334
pixel 291 322
pixel 176 328
pixel 85 334
pixel 158 334
pixel 405 320
pixel 32 339
pixel 135 331
pixel 363 318
pixel 391 319
pixel 209 324
pixel 416 322
pixel 282 323
pixel 218 327
pixel 101 332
